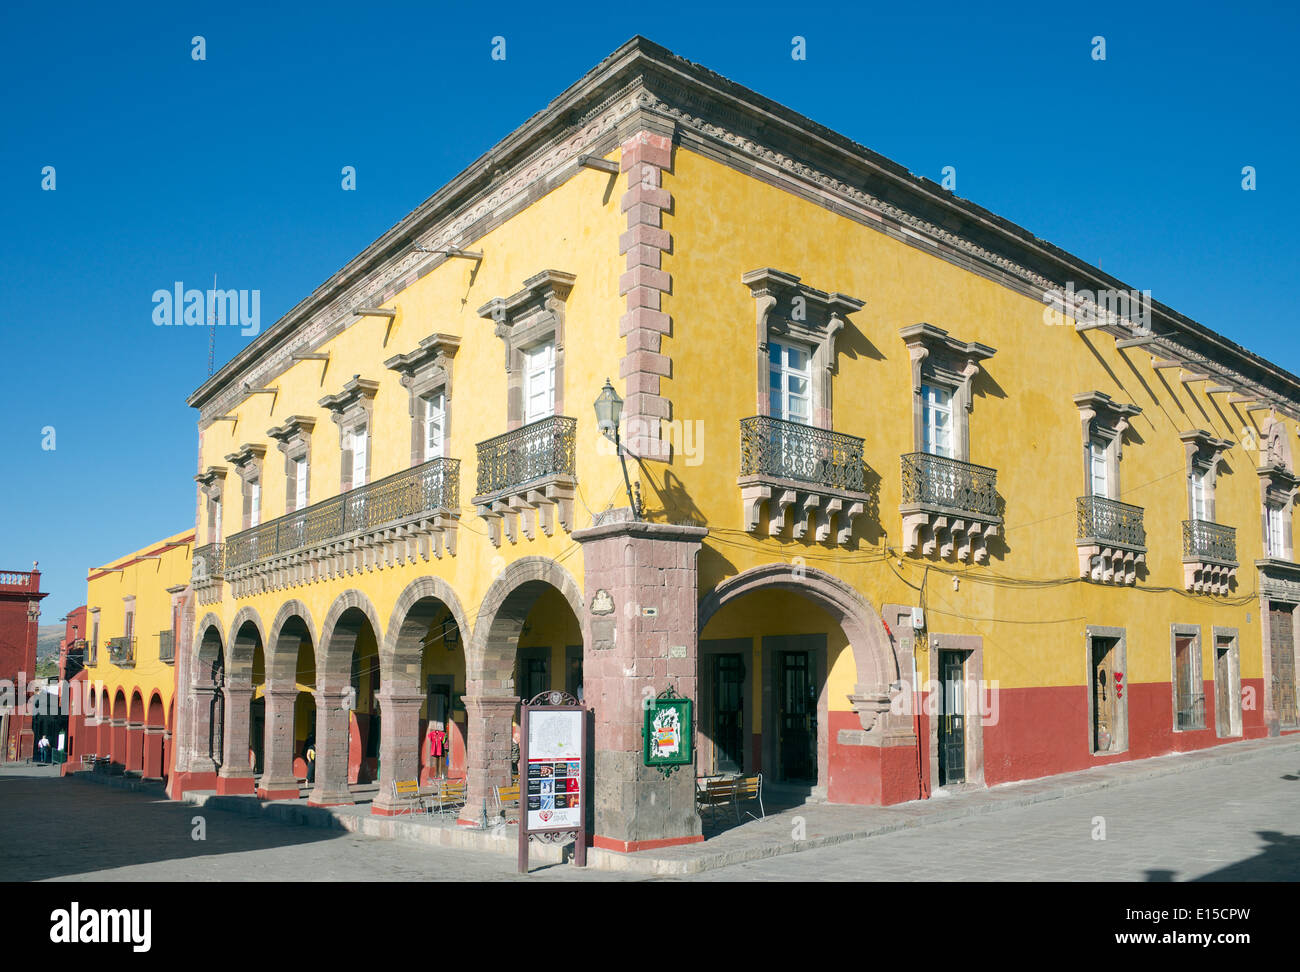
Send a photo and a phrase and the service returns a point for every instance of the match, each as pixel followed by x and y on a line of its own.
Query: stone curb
pixel 503 841
pixel 1002 796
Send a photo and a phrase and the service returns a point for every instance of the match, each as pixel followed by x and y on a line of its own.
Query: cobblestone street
pixel 1225 822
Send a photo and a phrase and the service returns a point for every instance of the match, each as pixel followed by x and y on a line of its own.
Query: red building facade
pixel 20 615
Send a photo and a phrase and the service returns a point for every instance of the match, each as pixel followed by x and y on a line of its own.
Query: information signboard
pixel 553 773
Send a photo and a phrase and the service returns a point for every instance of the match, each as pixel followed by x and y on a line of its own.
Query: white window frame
pixel 254 503
pixel 1099 462
pixel 782 374
pixel 434 404
pixel 539 381
pixel 300 498
pixel 359 433
pixel 1276 536
pixel 931 408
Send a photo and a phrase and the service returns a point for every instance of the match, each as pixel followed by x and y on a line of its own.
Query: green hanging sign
pixel 668 732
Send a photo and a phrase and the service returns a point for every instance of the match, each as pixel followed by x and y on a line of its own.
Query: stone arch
pixel 119 705
pixel 400 651
pixel 209 650
pixel 135 714
pixel 873 652
pixel 243 643
pixel 491 655
pixel 338 636
pixel 156 718
pixel 292 622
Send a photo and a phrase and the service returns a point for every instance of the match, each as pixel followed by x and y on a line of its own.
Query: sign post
pixel 553 774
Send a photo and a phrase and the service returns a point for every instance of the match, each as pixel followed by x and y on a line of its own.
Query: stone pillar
pixel 278 781
pixel 489 723
pixel 331 788
pixel 399 742
pixel 641 635
pixel 236 774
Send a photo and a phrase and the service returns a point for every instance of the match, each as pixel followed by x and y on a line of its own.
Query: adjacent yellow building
pixel 914 499
pixel 134 613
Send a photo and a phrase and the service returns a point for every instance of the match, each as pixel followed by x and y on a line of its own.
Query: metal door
pixel 728 713
pixel 1283 674
pixel 952 718
pixel 797 716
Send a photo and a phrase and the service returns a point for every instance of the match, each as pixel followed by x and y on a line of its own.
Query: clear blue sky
pixel 171 169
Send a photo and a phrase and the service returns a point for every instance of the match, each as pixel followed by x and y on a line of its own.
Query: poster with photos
pixel 552 789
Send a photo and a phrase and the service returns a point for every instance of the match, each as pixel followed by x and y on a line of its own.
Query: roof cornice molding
pixel 645 85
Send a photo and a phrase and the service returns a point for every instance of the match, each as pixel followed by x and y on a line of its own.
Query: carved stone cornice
pixel 248 457
pixel 358 393
pixel 538 306
pixel 211 479
pixel 646 86
pixel 296 428
pixel 433 353
pixel 1114 416
pixel 933 349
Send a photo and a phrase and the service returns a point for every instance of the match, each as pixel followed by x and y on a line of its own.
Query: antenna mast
pixel 212 329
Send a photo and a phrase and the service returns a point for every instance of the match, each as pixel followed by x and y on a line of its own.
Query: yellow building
pixel 134 614
pixel 914 499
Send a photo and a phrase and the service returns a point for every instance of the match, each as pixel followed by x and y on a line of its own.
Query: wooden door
pixel 1283 675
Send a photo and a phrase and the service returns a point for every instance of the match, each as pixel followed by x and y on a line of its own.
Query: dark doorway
pixel 796 717
pixel 952 718
pixel 1282 645
pixel 727 731
pixel 1103 695
pixel 257 732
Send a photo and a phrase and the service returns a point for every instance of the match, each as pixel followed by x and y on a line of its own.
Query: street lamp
pixel 609 409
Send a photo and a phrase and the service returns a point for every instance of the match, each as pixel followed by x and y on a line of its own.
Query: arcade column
pixel 640 636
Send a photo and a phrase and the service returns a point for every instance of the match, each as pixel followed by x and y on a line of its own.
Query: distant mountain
pixel 48 637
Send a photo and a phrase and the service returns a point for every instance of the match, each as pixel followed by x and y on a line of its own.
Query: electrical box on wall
pixel 918 618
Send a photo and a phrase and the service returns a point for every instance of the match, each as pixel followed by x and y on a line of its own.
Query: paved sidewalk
pixel 801 829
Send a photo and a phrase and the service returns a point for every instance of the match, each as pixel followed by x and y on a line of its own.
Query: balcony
pixel 1209 556
pixel 527 479
pixel 817 473
pixel 1111 540
pixel 206 572
pixel 121 652
pixel 166 647
pixel 949 506
pixel 401 518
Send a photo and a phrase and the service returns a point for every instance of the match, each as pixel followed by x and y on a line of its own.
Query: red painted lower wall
pixel 868 774
pixel 1044 731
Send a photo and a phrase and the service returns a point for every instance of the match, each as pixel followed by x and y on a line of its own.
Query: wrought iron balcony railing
pixel 166 647
pixel 528 454
pixel 788 450
pixel 938 481
pixel 208 563
pixel 121 652
pixel 432 486
pixel 1212 542
pixel 1109 521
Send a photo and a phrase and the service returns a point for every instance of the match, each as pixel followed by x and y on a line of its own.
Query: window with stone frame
pixel 531 325
pixel 352 410
pixel 211 486
pixel 1104 423
pixel 426 374
pixel 248 462
pixel 1204 453
pixel 293 439
pixel 796 328
pixel 1278 486
pixel 943 373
